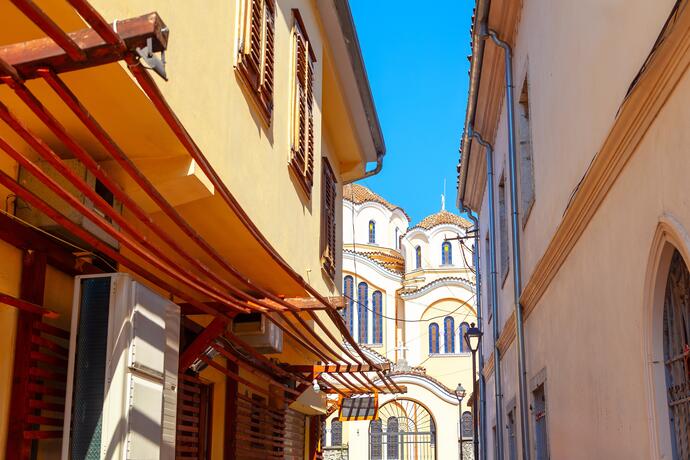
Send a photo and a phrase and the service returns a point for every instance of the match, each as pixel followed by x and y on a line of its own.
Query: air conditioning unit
pixel 121 400
pixel 259 332
pixel 35 217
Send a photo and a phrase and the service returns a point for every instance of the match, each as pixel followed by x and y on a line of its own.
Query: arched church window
pixel 376 439
pixel 362 311
pixel 446 253
pixel 676 340
pixel 393 441
pixel 449 334
pixel 397 238
pixel 418 257
pixel 466 426
pixel 377 303
pixel 336 433
pixel 372 232
pixel 464 348
pixel 349 291
pixel 433 338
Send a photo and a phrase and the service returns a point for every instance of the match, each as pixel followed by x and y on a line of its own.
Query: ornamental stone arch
pixel 667 264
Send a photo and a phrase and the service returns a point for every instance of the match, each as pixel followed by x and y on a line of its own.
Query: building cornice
pixel 440 282
pixel 428 383
pixel 373 264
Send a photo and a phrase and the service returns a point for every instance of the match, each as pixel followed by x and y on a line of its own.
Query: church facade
pixel 409 297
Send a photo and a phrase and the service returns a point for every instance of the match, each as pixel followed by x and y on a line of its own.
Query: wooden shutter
pixel 294 435
pixel 328 218
pixel 302 159
pixel 259 430
pixel 193 418
pixel 257 53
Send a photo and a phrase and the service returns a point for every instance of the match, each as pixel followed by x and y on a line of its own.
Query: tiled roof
pixel 359 194
pixel 443 217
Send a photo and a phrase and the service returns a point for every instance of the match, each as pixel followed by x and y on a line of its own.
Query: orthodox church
pixel 409 297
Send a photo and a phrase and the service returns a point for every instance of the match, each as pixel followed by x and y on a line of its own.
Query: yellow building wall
pixel 251 158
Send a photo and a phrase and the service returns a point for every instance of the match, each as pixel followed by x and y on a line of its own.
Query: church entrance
pixel 403 430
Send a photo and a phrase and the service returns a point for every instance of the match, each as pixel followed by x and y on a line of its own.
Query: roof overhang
pixel 349 65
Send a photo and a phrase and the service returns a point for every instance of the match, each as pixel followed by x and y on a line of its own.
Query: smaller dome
pixel 443 217
pixel 359 194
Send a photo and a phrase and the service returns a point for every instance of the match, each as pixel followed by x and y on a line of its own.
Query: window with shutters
pixel 255 62
pixel 302 120
pixel 328 224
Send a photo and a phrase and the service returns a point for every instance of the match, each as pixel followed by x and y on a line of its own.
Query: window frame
pixel 258 77
pixel 372 231
pixel 444 262
pixel 329 237
pixel 302 137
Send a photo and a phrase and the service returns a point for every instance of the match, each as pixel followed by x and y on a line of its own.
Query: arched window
pixel 376 439
pixel 464 348
pixel 363 304
pixel 467 427
pixel 418 257
pixel 349 291
pixel 392 441
pixel 372 232
pixel 336 433
pixel 446 253
pixel 397 238
pixel 433 338
pixel 377 303
pixel 676 339
pixel 449 334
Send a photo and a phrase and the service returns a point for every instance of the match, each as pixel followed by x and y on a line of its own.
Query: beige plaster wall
pixel 592 331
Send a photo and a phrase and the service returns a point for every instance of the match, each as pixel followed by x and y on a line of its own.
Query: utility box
pixel 259 332
pixel 121 400
pixel 27 213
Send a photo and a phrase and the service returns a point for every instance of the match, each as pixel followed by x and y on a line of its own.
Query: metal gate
pixel 403 430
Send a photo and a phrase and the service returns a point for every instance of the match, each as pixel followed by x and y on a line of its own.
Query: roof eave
pixel 342 35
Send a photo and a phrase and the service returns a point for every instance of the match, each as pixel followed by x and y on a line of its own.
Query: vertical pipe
pixel 494 290
pixel 479 432
pixel 517 275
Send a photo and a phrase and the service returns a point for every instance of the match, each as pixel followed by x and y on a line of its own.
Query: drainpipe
pixel 373 172
pixel 494 290
pixel 479 433
pixel 517 278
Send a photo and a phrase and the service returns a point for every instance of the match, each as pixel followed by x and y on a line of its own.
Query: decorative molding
pixel 373 264
pixel 440 282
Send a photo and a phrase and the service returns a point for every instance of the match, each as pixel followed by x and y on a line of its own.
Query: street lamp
pixel 460 394
pixel 473 336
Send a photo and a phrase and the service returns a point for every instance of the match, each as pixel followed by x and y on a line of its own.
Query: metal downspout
pixel 373 172
pixel 494 291
pixel 482 382
pixel 517 275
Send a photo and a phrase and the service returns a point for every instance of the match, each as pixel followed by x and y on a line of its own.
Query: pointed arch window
pixel 418 257
pixel 349 291
pixel 433 338
pixel 377 303
pixel 676 339
pixel 448 334
pixel 362 310
pixel 446 253
pixel 372 232
pixel 464 348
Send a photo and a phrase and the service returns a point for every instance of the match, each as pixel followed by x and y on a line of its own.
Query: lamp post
pixel 460 394
pixel 473 336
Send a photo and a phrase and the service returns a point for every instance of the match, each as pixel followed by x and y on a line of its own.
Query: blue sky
pixel 417 64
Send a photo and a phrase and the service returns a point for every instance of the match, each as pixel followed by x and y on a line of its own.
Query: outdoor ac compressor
pixel 122 374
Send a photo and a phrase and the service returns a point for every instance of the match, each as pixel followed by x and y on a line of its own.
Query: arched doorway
pixel 677 354
pixel 403 430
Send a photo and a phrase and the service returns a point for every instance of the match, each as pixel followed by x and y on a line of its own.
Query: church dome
pixel 443 217
pixel 359 194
